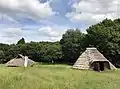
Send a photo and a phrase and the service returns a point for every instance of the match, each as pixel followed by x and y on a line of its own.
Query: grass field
pixel 57 77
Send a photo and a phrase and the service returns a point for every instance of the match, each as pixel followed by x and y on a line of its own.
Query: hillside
pixel 57 77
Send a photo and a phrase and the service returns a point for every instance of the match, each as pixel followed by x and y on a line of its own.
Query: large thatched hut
pixel 93 59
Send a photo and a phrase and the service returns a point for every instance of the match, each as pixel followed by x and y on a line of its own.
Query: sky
pixel 47 20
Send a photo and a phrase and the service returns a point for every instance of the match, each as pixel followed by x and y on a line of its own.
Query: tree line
pixel 105 36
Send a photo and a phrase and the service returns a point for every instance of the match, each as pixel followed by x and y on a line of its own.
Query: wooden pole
pixel 26 61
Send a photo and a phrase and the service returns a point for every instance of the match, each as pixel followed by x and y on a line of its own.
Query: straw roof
pixel 19 61
pixel 90 56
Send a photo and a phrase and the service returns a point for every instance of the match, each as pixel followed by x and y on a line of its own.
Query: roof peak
pixel 91 48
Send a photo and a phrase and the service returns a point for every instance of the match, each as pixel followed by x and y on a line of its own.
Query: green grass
pixel 57 77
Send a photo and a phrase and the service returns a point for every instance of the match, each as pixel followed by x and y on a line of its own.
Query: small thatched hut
pixel 93 59
pixel 20 61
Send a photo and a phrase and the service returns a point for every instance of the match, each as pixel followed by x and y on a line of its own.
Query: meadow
pixel 57 77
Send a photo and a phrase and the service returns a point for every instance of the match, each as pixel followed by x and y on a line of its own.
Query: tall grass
pixel 56 77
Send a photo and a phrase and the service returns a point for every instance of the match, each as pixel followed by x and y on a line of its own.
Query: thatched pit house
pixel 92 59
pixel 20 61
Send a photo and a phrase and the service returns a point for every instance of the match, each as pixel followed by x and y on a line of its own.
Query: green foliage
pixel 21 41
pixel 37 51
pixel 51 52
pixel 4 48
pixel 72 44
pixel 2 56
pixel 106 37
pixel 57 77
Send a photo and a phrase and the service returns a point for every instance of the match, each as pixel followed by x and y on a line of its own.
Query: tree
pixel 21 41
pixel 2 57
pixel 51 52
pixel 72 43
pixel 106 37
pixel 4 50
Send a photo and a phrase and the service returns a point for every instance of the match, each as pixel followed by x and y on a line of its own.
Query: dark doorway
pixel 100 66
pixel 96 67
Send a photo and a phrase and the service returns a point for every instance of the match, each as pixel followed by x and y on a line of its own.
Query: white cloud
pixel 30 8
pixel 12 32
pixel 10 10
pixel 93 11
pixel 7 18
pixel 48 31
pixel 10 35
pixel 51 33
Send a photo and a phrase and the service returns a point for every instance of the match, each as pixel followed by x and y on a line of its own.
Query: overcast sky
pixel 47 20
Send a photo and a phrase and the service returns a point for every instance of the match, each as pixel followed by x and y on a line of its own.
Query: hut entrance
pixel 100 66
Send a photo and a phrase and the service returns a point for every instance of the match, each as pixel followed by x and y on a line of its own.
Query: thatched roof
pixel 90 56
pixel 19 61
